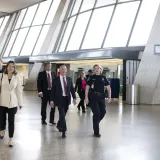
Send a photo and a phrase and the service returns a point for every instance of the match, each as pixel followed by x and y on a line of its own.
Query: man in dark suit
pixel 61 97
pixel 44 85
pixel 90 73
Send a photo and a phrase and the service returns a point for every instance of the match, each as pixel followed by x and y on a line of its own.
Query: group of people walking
pixel 55 91
pixel 90 88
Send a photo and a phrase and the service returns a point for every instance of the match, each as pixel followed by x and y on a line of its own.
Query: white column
pixel 148 75
pixel 52 35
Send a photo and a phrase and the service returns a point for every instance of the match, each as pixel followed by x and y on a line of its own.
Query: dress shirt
pixel 49 72
pixel 62 84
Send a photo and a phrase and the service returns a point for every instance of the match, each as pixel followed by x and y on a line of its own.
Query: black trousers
pixel 82 98
pixel 45 101
pixel 98 108
pixel 62 114
pixel 11 118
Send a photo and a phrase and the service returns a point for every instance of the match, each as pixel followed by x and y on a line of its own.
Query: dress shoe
pixel 10 143
pixel 60 130
pixel 53 123
pixel 83 111
pixel 63 135
pixel 97 135
pixel 44 122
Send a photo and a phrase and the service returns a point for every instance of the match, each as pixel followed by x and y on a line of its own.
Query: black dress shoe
pixel 97 135
pixel 53 123
pixel 10 146
pixel 60 130
pixel 44 122
pixel 84 111
pixel 63 135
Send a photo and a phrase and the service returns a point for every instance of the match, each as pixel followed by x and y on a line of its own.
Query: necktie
pixel 65 86
pixel 49 81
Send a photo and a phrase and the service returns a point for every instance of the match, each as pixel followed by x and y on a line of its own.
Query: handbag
pixel 1 83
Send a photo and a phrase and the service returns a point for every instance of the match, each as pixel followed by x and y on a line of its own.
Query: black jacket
pixel 42 81
pixel 57 93
pixel 78 86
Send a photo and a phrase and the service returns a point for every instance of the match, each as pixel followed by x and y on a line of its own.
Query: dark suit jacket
pixel 57 93
pixel 79 85
pixel 42 81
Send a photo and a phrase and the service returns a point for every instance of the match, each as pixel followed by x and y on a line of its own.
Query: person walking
pixel 10 99
pixel 44 85
pixel 81 86
pixel 97 84
pixel 61 97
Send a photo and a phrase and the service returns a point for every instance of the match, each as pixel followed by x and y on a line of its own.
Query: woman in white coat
pixel 10 98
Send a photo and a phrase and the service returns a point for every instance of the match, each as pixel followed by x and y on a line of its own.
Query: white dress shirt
pixel 62 84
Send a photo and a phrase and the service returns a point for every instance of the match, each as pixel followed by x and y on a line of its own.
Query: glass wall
pixel 30 29
pixel 3 23
pixel 96 24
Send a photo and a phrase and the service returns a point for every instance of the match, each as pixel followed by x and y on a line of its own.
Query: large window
pixel 121 25
pixel 3 22
pixel 101 24
pixel 30 29
pixel 78 31
pixel 144 22
pixel 96 24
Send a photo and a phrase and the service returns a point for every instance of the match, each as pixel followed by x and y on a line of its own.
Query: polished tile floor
pixel 128 133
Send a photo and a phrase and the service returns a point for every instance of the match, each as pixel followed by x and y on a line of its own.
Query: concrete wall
pixel 148 75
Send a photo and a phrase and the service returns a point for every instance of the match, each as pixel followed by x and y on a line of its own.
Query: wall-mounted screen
pixel 157 49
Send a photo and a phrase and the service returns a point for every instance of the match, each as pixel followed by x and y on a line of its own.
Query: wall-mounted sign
pixel 157 49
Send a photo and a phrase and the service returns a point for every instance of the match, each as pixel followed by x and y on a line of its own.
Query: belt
pixel 64 96
pixel 99 94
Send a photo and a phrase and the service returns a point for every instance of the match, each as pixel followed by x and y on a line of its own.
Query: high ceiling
pixel 8 6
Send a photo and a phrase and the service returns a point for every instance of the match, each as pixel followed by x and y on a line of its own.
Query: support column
pixel 52 35
pixel 148 75
pixel 48 44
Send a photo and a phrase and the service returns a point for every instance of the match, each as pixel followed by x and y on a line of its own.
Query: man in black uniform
pixel 97 84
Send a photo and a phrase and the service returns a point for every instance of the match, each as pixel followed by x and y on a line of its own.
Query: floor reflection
pixel 128 133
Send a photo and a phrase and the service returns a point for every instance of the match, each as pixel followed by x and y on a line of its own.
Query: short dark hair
pixel 46 63
pixel 10 62
pixel 90 71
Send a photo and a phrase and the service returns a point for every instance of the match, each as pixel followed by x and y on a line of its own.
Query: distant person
pixel 10 99
pixel 61 97
pixel 90 73
pixel 97 85
pixel 44 85
pixel 81 86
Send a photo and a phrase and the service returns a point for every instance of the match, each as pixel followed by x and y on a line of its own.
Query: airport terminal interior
pixel 122 36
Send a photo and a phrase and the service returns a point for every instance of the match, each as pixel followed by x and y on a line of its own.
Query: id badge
pixel 92 86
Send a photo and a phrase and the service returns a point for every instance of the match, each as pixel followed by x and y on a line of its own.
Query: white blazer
pixel 11 93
